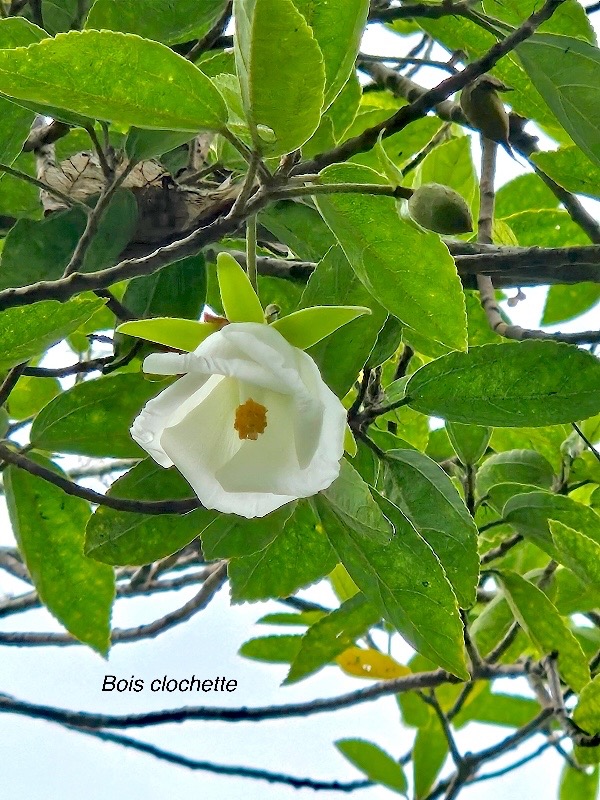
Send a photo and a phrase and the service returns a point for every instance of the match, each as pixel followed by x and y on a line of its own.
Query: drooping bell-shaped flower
pixel 250 424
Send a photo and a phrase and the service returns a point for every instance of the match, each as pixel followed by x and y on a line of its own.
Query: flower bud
pixel 439 208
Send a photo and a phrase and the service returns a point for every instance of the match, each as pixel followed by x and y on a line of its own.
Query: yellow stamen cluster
pixel 250 419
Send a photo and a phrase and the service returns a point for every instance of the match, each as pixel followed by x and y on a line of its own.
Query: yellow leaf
pixel 370 664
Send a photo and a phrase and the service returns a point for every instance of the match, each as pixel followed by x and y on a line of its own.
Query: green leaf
pixel 115 229
pixel 41 249
pixel 331 635
pixel 469 441
pixel 15 121
pixel 402 578
pixel 181 334
pixel 569 18
pixel 553 228
pixel 178 290
pixel 514 466
pixel 573 594
pixel 496 708
pixel 308 326
pixel 522 384
pixel 19 198
pixel 374 762
pixel 283 86
pixel 578 552
pixel 546 628
pixel 301 619
pixel 388 341
pixel 298 556
pixel 240 301
pixel 338 26
pixel 423 491
pixel 529 514
pixel 429 754
pixel 49 527
pixel 93 418
pixel 143 144
pixel 170 23
pixel 300 227
pixel 341 356
pixel 126 80
pixel 587 715
pixel 566 72
pixel 373 236
pixel 546 440
pixel 131 538
pixel 566 302
pixel 30 395
pixel 26 331
pixel 570 167
pixel 523 193
pixel 60 15
pixel 353 504
pixel 281 649
pixel 231 536
pixel 578 785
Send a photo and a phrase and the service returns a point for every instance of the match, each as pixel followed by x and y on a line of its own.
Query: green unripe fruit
pixel 440 209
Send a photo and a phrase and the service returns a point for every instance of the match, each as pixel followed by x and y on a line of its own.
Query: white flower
pixel 251 424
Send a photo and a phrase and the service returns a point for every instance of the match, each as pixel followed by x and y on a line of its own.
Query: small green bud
pixel 440 209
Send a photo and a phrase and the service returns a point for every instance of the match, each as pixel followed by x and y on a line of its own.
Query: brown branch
pixel 209 38
pixel 65 288
pixel 9 383
pixel 501 549
pixel 42 135
pixel 9 456
pixel 520 140
pixel 125 635
pixel 419 107
pixel 85 719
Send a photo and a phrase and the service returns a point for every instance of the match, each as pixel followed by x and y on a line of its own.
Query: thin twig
pixel 85 719
pixel 24 176
pixel 119 504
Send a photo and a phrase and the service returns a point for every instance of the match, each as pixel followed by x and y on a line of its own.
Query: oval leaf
pixel 546 628
pixel 154 19
pixel 93 418
pixel 409 271
pixel 369 663
pixel 423 491
pixel 49 527
pixel 338 26
pixel 26 331
pixel 127 80
pixel 566 72
pixel 374 762
pixel 283 86
pixel 533 383
pixel 127 538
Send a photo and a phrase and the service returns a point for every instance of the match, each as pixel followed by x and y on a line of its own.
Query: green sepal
pixel 350 445
pixel 181 334
pixel 240 301
pixel 309 325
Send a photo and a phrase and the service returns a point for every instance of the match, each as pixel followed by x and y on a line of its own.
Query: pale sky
pixel 42 761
